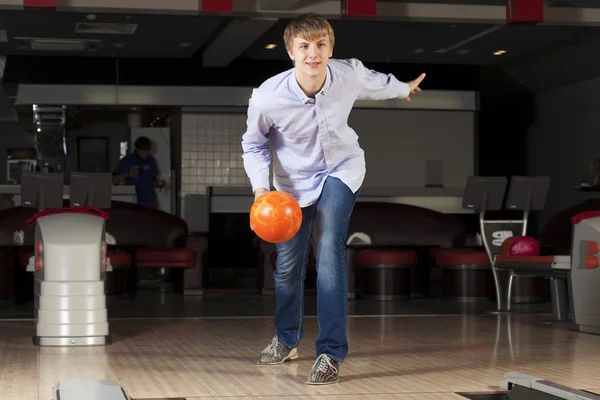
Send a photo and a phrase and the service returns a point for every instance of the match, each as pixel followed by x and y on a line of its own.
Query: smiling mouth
pixel 313 64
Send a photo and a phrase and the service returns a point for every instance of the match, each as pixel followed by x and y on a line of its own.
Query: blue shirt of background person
pixel 140 170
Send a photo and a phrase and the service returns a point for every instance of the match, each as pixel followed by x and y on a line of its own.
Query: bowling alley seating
pixel 178 259
pixel 385 267
pixel 193 278
pixel 466 274
pixel 388 268
pixel 385 274
pixel 555 239
pixel 116 282
pixel 144 237
pixel 154 239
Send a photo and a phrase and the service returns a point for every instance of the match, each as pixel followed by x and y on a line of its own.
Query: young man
pixel 304 113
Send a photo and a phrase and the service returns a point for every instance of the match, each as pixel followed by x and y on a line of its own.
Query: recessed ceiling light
pixel 499 52
pixel 270 46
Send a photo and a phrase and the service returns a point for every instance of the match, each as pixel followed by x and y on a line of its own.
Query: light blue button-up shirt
pixel 310 138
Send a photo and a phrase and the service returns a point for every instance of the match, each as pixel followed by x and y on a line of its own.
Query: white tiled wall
pixel 211 152
pixel 396 155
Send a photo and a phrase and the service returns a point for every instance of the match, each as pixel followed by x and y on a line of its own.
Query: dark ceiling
pixel 549 3
pixel 539 56
pixel 422 42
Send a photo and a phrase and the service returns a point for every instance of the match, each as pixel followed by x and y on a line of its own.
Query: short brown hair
pixel 143 143
pixel 310 26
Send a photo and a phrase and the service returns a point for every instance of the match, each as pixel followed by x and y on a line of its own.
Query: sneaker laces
pixel 323 364
pixel 271 349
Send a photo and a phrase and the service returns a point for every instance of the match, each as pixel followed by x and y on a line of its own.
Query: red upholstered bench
pixel 435 271
pixel 119 258
pixel 116 280
pixel 178 259
pixel 466 274
pixel 385 274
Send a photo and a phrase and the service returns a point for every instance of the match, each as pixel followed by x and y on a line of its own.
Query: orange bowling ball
pixel 275 217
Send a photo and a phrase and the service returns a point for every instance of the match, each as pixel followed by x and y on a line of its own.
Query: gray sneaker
pixel 325 371
pixel 276 353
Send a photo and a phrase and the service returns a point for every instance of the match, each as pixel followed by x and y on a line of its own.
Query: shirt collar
pixel 300 93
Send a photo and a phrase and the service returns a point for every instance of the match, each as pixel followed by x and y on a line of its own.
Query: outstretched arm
pixel 378 86
pixel 255 145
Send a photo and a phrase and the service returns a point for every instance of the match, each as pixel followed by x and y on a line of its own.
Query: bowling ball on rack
pixel 523 246
pixel 505 247
pixel 275 217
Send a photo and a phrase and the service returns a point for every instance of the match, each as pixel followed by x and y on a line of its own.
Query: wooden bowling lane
pixel 413 396
pixel 403 357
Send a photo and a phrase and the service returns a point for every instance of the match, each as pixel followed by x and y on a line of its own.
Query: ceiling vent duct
pixel 99 28
pixel 52 44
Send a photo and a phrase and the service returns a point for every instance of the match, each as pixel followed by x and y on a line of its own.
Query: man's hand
pixel 121 178
pixel 134 173
pixel 260 192
pixel 414 86
pixel 160 183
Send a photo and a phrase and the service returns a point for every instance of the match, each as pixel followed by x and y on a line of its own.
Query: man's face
pixel 311 57
pixel 143 153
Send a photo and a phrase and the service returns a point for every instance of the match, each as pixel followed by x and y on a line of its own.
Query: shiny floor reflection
pixel 157 304
pixel 393 357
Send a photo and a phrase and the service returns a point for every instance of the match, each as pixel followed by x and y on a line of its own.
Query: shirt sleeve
pixel 255 146
pixel 378 86
pixel 124 165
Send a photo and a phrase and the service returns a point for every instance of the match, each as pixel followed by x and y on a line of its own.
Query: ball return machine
pixel 526 387
pixel 70 263
pixel 525 194
pixel 575 278
pixel 70 258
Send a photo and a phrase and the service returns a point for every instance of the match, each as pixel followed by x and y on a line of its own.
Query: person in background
pixel 140 170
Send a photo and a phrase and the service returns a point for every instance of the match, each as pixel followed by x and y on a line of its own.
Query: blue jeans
pixel 325 226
